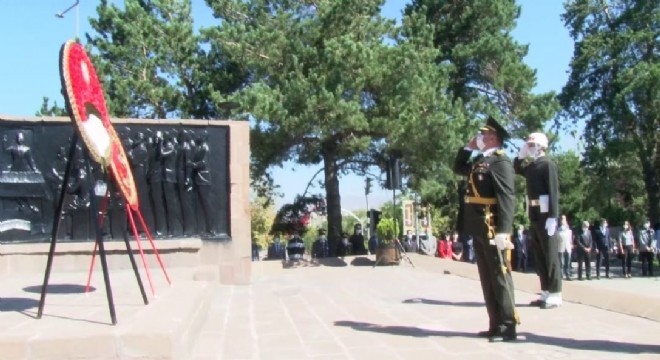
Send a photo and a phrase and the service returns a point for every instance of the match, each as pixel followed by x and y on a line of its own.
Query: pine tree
pixel 486 76
pixel 613 87
pixel 329 83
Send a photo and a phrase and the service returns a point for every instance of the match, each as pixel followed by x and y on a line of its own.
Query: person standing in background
pixel 627 248
pixel 520 241
pixel 565 247
pixel 584 245
pixel 657 240
pixel 601 236
pixel 646 240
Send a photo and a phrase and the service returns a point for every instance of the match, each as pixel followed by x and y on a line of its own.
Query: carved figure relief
pixel 22 186
pixel 179 184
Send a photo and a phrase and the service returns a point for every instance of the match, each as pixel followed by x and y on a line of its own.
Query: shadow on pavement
pixel 362 261
pixel 59 289
pixel 444 302
pixel 593 345
pixel 17 304
pixel 597 345
pixel 330 262
pixel 402 330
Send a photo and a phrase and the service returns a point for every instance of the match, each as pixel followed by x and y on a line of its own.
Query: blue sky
pixel 32 36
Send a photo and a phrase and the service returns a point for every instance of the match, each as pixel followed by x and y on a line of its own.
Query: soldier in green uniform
pixel 543 210
pixel 488 208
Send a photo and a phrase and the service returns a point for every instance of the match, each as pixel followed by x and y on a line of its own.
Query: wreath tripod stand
pixel 97 216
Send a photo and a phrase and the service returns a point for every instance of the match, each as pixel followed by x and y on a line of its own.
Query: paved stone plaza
pixel 334 310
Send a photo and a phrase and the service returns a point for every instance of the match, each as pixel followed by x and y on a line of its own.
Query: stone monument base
pixel 77 325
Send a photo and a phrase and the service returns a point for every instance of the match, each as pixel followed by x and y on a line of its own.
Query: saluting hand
pixel 472 144
pixel 551 226
pixel 524 152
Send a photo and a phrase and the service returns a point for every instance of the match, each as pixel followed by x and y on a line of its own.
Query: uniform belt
pixel 535 202
pixel 480 200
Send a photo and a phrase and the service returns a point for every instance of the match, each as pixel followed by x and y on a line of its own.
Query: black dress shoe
pixel 537 302
pixel 506 335
pixel 486 333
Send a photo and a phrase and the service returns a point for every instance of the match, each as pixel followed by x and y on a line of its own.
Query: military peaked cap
pixel 493 125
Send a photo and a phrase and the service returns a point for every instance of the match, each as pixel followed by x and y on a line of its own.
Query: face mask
pixel 480 142
pixel 534 151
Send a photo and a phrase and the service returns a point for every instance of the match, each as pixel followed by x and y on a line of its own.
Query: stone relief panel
pixel 181 173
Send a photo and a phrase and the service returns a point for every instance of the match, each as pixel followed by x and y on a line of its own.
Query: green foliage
pixel 330 82
pixel 394 214
pixel 613 88
pixel 151 62
pixel 387 230
pixel 483 74
pixel 153 65
pixel 487 74
pixel 262 215
pixel 51 110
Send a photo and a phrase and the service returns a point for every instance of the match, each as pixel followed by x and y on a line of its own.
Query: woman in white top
pixel 565 247
pixel 627 246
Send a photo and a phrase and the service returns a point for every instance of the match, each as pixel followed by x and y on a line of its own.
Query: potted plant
pixel 387 253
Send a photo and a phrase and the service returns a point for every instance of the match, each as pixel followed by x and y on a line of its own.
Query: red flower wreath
pixel 89 114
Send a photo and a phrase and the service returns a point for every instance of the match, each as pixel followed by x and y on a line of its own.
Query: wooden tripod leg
pixel 104 207
pixel 153 246
pixel 99 239
pixel 56 224
pixel 139 244
pixel 133 263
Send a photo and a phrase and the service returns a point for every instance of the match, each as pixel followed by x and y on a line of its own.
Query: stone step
pixel 77 325
pixel 30 258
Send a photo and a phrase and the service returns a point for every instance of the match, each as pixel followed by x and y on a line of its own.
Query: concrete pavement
pixel 353 311
pixel 338 309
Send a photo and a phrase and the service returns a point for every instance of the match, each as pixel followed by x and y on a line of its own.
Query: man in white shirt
pixel 565 247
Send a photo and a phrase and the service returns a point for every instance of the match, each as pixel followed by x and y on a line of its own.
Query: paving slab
pixel 346 309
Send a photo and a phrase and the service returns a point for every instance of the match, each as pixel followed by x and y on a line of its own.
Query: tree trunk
pixel 652 184
pixel 333 199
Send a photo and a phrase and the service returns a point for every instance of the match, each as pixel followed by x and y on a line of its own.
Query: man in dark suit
pixel 601 237
pixel 520 240
pixel 357 241
pixel 584 245
pixel 542 181
pixel 488 207
pixel 320 247
pixel 277 250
